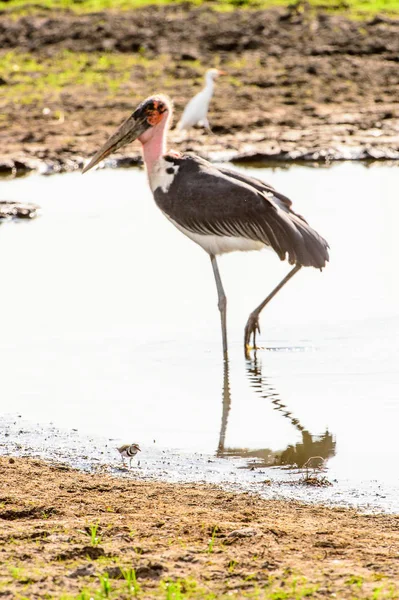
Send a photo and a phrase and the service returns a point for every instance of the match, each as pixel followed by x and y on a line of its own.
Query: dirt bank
pixel 213 541
pixel 299 85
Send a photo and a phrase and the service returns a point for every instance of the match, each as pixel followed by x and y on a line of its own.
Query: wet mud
pixel 235 469
pixel 300 86
pixel 63 530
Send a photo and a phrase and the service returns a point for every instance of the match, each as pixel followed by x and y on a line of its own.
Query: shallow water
pixel 110 326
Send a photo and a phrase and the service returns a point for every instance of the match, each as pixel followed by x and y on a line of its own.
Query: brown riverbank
pixel 299 86
pixel 215 542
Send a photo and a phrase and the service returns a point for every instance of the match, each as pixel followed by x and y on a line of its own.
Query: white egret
pixel 196 111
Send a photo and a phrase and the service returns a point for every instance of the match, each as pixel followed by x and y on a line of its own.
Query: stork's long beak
pixel 129 131
pixel 222 72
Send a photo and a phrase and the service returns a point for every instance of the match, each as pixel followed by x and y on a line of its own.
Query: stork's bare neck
pixel 154 143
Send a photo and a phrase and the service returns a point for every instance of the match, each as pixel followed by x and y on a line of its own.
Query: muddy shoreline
pixel 221 542
pixel 300 86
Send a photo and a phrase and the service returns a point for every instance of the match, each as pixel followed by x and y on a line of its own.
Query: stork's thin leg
pixel 205 124
pixel 252 326
pixel 222 303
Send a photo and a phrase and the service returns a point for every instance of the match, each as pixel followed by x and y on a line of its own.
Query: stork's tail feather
pixel 308 249
pixel 292 238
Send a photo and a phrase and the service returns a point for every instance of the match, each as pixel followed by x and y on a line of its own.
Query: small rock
pixel 188 558
pixel 59 537
pixel 93 552
pixel 189 54
pixel 61 467
pixel 150 571
pixel 18 210
pixel 7 166
pixel 330 544
pixel 270 566
pixel 108 44
pixel 242 533
pixel 114 573
pixel 83 571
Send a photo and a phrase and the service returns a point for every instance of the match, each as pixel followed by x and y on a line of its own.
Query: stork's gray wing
pixel 210 201
pixel 283 202
pixel 259 185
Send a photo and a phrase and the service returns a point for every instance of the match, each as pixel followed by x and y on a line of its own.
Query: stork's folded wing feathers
pixel 259 185
pixel 211 201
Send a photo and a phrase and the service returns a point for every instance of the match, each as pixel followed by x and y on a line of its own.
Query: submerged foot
pixel 251 328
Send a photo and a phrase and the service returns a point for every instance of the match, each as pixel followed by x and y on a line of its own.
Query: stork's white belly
pixel 216 244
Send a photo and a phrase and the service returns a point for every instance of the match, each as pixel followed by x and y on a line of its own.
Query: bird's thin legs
pixel 205 124
pixel 222 303
pixel 252 326
pixel 209 129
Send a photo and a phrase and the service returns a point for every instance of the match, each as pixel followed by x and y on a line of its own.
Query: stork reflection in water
pixel 301 454
pixel 219 209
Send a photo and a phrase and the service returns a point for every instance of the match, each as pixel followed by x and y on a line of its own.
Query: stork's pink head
pixel 148 118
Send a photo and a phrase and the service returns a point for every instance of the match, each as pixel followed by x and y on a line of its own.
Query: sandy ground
pixel 213 541
pixel 299 85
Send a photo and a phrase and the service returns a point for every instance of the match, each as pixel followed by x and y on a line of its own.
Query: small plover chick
pixel 129 451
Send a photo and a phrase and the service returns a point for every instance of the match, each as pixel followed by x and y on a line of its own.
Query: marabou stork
pixel 217 208
pixel 196 111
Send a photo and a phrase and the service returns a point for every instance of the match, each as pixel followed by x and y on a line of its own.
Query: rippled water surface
pixel 110 326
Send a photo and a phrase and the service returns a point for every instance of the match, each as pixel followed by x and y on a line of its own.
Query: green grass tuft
pixel 132 585
pixel 212 540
